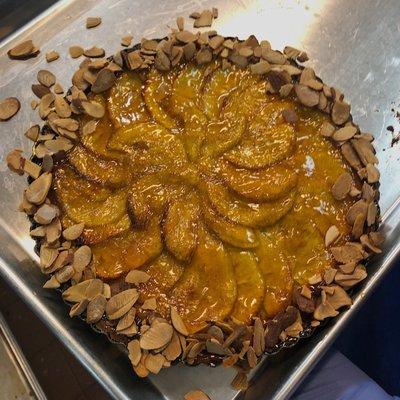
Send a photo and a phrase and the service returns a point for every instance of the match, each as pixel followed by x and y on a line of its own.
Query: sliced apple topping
pixel 180 227
pixel 260 185
pixel 125 103
pixel 255 215
pixel 229 232
pixel 207 288
pixel 101 170
pixel 250 286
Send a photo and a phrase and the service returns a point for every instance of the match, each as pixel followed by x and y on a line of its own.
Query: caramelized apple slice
pixel 106 172
pixel 255 215
pixel 229 232
pixel 125 102
pixel 98 234
pixel 149 196
pixel 260 185
pixel 180 227
pixel 262 146
pixel 219 86
pixel 207 288
pixel 150 144
pixel 223 135
pixel 276 269
pixel 250 286
pixel 158 88
pixel 126 252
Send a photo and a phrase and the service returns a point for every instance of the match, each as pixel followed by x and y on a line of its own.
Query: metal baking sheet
pixel 352 45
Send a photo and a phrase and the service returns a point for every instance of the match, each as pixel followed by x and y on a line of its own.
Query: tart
pixel 201 198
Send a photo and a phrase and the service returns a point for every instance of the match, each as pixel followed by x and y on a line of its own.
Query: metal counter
pixel 353 45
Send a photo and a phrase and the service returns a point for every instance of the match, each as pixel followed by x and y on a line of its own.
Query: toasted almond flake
pixel 367 243
pixel 189 51
pixel 32 133
pixel 213 346
pixel 40 231
pixel 196 395
pixel 45 105
pixel 246 51
pixel 120 304
pixel 331 235
pixel 344 133
pixel 134 60
pixel 157 336
pixel 52 283
pixel 34 104
pixel 260 68
pixel 67 123
pixel 89 127
pixel 306 292
pixel 349 280
pixel 373 174
pixel 37 191
pixel 162 61
pixel 98 64
pixel 94 52
pixel 52 56
pixel 40 90
pixel 240 381
pixel 74 231
pixel 95 309
pixel 324 310
pixel 127 320
pixel 258 337
pixel 315 279
pixel 291 52
pixel 327 129
pixel 342 186
pixel 347 253
pixel 180 23
pixel 329 275
pixel 360 207
pixel 173 350
pixel 15 161
pixel 76 51
pixel 104 81
pixel 186 37
pixel 76 292
pixel 23 50
pixel 62 108
pixel 64 274
pixel 194 15
pixel 306 96
pixel 238 60
pixel 205 19
pixel 94 109
pixel 46 78
pixel 149 304
pixel 273 56
pixel 78 308
pixel 154 362
pixel 92 22
pixel 126 40
pixel 8 108
pixel 340 112
pixel 372 214
pixel 82 258
pixel 358 226
pixel 47 256
pixel 45 214
pixel 251 357
pixel 135 353
pixel 286 89
pixel 178 323
pixel 339 298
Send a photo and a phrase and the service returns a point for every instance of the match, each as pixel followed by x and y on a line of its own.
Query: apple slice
pixel 207 288
pixel 263 145
pixel 125 103
pixel 250 286
pixel 276 269
pixel 180 227
pixel 104 171
pixel 129 251
pixel 229 232
pixel 255 215
pixel 158 89
pixel 219 86
pixel 260 185
pixel 223 135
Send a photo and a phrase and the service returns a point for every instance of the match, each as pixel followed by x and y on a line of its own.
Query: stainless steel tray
pixel 353 45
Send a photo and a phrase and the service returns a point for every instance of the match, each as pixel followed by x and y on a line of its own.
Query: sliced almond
pixel 76 292
pixel 52 56
pixel 324 310
pixel 37 191
pixel 135 353
pixel 340 112
pixel 95 309
pixel 127 320
pixel 126 40
pixel 94 109
pixel 149 304
pixel 258 337
pixel 52 283
pixel 40 90
pixel 45 214
pixel 344 133
pixel 186 36
pixel 47 256
pixel 178 323
pixel 306 96
pixel 162 61
pixel 63 109
pixel 331 235
pixel 347 253
pixel 359 207
pixel 173 350
pixel 373 174
pixel 158 335
pixel 67 123
pixel 240 381
pixel 78 308
pixel 339 298
pixel 33 133
pixel 46 78
pixel 342 186
pixel 104 81
pixel 327 129
pixel 349 280
pixel 120 304
pixel 8 108
pixel 92 22
pixel 260 68
pixel 82 258
pixel 94 52
pixel 23 50
pixel 205 19
pixel 64 274
pixel 76 51
pixel 154 362
pixel 196 395
pixel 74 231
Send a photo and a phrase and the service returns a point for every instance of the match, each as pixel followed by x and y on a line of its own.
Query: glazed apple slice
pixel 276 269
pixel 223 135
pixel 229 232
pixel 104 171
pixel 207 288
pixel 219 86
pixel 98 234
pixel 88 202
pixel 149 144
pixel 180 227
pixel 125 102
pixel 259 185
pixel 158 89
pixel 129 251
pixel 250 286
pixel 263 145
pixel 256 215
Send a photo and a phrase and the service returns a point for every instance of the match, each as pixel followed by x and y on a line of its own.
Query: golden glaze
pixel 195 177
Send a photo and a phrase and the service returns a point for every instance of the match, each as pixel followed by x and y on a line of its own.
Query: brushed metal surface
pixel 352 45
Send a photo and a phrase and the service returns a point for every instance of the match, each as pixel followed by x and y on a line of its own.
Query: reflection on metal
pixel 17 380
pixel 353 45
